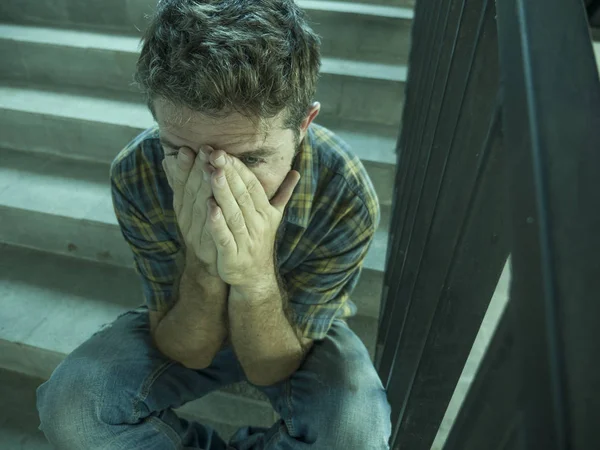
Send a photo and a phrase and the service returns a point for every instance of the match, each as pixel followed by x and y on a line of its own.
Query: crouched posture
pixel 249 225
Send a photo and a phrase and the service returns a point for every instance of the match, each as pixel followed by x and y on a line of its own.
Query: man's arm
pixel 266 343
pixel 193 331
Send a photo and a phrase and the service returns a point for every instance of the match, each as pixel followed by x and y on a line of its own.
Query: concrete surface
pixel 348 89
pixel 18 416
pixel 359 31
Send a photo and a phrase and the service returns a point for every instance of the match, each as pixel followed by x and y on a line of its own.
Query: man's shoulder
pixel 137 155
pixel 339 170
pixel 136 174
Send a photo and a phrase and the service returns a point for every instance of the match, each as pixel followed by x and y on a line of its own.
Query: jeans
pixel 117 391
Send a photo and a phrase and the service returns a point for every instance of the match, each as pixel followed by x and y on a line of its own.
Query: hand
pixel 243 223
pixel 190 181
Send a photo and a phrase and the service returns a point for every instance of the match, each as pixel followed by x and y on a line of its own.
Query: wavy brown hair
pixel 259 58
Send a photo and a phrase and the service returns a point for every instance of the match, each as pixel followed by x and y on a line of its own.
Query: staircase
pixel 67 106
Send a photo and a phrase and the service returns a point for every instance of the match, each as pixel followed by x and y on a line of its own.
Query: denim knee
pixel 73 404
pixel 337 399
pixel 353 417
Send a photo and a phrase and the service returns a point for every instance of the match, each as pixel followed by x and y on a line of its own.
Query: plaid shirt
pixel 327 228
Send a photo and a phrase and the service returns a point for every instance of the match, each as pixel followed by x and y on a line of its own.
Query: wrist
pixel 198 272
pixel 261 288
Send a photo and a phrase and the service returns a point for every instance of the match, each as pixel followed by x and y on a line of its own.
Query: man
pixel 249 226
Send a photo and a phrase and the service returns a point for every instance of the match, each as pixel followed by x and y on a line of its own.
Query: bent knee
pixel 355 414
pixel 356 425
pixel 71 404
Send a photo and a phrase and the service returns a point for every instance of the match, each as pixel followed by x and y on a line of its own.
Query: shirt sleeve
pixel 156 255
pixel 318 290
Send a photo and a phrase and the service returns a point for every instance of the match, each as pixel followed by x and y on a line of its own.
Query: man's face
pixel 269 156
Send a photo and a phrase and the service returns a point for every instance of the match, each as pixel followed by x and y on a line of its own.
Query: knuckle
pixel 253 185
pixel 245 198
pixel 237 218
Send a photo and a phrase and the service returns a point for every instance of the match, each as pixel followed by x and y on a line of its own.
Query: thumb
pixel 285 191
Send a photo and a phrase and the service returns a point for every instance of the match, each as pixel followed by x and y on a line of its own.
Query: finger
pixel 179 168
pixel 220 232
pixel 190 191
pixel 240 190
pixel 228 204
pixel 182 166
pixel 259 197
pixel 197 232
pixel 285 191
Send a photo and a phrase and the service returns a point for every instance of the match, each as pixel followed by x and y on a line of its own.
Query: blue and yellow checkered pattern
pixel 327 229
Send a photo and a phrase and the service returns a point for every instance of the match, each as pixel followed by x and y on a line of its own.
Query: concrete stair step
pixel 348 89
pixel 19 419
pixel 95 128
pixel 351 30
pixel 53 303
pixel 64 206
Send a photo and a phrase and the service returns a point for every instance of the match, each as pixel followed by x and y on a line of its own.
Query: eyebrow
pixel 262 152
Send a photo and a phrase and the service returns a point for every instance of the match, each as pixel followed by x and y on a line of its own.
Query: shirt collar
pixel 300 204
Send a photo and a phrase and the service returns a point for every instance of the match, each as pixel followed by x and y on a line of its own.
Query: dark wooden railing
pixel 499 153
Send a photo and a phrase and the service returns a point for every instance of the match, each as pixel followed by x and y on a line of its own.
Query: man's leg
pixel 117 391
pixel 335 400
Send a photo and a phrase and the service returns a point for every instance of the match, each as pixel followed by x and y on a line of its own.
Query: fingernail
pixel 185 157
pixel 220 160
pixel 202 155
pixel 221 181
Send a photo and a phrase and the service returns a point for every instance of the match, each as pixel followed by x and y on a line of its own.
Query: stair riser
pixel 344 97
pixel 351 35
pixel 364 38
pixel 88 239
pixel 101 142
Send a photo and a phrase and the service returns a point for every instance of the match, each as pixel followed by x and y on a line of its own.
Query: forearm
pixel 193 331
pixel 265 342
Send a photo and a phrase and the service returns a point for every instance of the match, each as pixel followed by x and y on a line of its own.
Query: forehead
pixel 233 133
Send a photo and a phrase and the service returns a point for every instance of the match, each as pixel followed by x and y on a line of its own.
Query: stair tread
pixel 55 185
pixel 130 44
pixel 54 302
pixel 80 190
pixel 69 37
pixel 70 104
